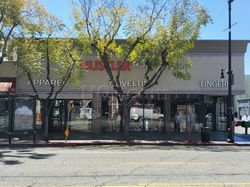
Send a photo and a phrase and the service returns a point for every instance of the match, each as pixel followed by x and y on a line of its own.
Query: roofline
pixel 220 46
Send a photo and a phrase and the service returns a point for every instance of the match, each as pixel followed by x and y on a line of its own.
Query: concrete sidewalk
pixel 136 142
pixel 63 143
pixel 146 138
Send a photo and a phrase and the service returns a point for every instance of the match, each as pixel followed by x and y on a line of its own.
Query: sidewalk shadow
pixel 11 157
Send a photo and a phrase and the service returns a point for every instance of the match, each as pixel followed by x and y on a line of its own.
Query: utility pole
pixel 230 125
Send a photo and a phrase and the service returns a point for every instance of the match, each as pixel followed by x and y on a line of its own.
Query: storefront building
pixel 242 102
pixel 7 85
pixel 94 107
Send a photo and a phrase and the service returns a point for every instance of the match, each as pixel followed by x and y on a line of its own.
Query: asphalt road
pixel 125 166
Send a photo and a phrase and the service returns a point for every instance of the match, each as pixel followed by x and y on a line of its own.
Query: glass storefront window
pixel 4 114
pixel 103 114
pixel 23 114
pixel 80 115
pixel 147 115
pixel 186 115
pixel 110 114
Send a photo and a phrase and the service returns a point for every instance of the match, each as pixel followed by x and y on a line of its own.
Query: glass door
pixel 187 116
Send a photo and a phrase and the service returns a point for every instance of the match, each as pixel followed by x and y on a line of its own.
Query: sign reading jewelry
pixel 131 83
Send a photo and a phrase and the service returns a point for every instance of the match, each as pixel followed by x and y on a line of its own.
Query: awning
pixel 5 86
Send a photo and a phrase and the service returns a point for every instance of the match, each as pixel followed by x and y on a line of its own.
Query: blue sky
pixel 218 10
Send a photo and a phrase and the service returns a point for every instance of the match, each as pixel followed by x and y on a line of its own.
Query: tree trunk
pixel 167 114
pixel 46 115
pixel 121 129
pixel 125 116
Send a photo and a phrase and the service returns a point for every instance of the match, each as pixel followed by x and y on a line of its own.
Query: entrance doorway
pixel 76 114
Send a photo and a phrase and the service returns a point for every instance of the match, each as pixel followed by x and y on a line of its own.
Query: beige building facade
pixel 208 58
pixel 204 94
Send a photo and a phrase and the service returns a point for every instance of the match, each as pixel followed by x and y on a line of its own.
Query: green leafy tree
pixel 28 35
pixel 158 33
pixel 50 58
pixel 16 18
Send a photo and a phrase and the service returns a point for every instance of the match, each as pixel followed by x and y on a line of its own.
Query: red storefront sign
pixel 97 65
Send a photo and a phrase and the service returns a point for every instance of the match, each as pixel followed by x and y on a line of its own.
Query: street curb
pixel 136 142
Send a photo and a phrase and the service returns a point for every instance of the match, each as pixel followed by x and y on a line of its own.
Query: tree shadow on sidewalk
pixel 12 156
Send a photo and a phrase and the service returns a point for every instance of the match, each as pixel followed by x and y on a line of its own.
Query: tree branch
pixel 148 70
pixel 110 74
pixel 2 15
pixel 112 37
pixel 154 79
pixel 48 68
pixel 138 39
pixel 69 73
pixel 125 59
pixel 33 86
pixel 6 39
